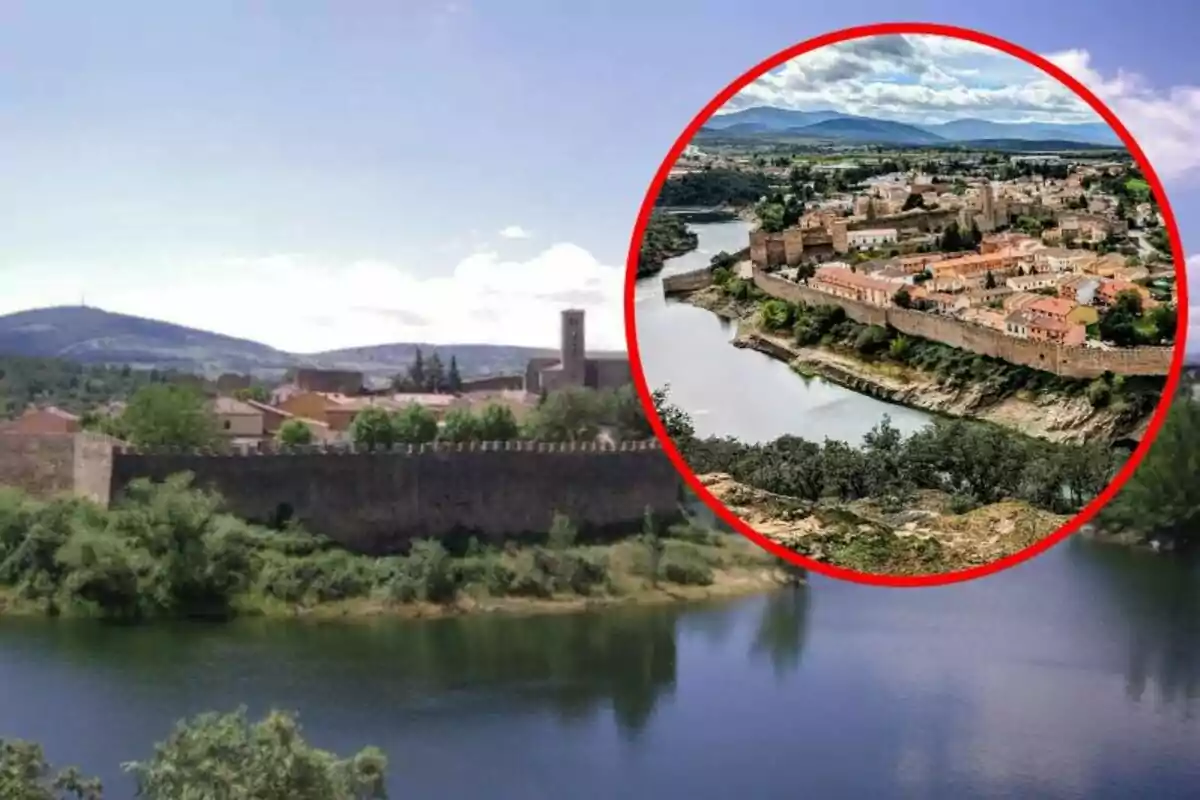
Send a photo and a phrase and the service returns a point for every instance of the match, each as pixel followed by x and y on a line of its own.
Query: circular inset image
pixel 906 305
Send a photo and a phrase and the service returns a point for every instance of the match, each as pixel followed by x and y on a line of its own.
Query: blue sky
pixel 325 174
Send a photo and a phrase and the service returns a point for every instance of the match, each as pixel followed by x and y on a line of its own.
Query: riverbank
pixel 928 535
pixel 666 236
pixel 1049 415
pixel 169 551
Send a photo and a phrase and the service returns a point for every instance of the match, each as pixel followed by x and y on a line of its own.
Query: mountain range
pixel 93 336
pixel 829 125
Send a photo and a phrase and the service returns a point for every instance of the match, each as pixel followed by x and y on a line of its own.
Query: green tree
pixel 26 775
pixel 770 217
pixel 435 374
pixel 228 756
pixel 453 378
pixel 169 415
pixel 294 433
pixel 460 425
pixel 990 281
pixel 415 424
pixel 902 297
pixel 417 377
pixel 373 428
pixel 497 423
pixel 568 415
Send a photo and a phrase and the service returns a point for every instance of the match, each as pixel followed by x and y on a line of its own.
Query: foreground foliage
pixel 1161 501
pixel 213 756
pixel 976 462
pixel 168 550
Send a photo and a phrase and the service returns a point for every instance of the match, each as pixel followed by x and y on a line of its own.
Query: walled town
pixel 1068 254
pixel 374 468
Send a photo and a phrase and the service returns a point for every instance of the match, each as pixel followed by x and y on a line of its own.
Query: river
pixel 1073 676
pixel 742 393
pixel 1076 675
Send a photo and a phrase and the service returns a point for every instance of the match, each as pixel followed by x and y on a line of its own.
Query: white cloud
pixel 515 232
pixel 1166 122
pixel 301 304
pixel 919 79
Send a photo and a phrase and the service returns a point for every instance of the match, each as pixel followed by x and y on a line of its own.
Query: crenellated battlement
pixel 377 500
pixel 518 446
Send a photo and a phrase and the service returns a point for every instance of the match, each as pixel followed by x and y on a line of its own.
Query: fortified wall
pixel 1070 362
pixel 687 282
pixel 378 502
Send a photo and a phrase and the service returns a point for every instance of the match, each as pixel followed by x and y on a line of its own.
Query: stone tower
pixel 989 208
pixel 574 349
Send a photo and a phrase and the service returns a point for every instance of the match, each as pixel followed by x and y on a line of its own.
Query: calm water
pixel 1074 676
pixel 742 393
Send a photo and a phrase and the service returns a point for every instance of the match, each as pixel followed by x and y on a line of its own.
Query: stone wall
pixel 1073 362
pixel 41 465
pixel 687 282
pixel 379 502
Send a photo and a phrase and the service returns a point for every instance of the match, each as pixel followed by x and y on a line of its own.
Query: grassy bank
pixel 168 550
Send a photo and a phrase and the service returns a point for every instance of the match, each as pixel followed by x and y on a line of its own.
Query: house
pixel 867 239
pixel 1017 324
pixel 1109 290
pixel 1058 259
pixel 984 297
pixel 237 419
pixel 1046 329
pixel 574 366
pixel 46 420
pixel 1081 289
pixel 1063 310
pixel 1031 283
pixel 854 286
pixel 273 419
pixel 976 267
pixel 986 317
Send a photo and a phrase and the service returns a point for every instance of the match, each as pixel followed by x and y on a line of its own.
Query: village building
pixel 854 286
pixel 872 238
pixel 1063 310
pixel 1058 259
pixel 1031 283
pixel 46 420
pixel 1016 324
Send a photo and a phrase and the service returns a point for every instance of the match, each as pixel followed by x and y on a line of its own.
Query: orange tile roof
pixel 1052 306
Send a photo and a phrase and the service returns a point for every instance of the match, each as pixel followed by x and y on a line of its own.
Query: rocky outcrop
pixel 924 534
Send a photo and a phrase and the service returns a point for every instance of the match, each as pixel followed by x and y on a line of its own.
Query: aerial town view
pixel 978 314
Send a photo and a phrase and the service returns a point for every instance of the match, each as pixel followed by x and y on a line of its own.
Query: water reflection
pixel 782 630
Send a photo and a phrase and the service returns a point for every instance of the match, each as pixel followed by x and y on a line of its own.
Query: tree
pixel 902 297
pixel 453 379
pixel 435 374
pixel 228 756
pixel 568 415
pixel 26 775
pixel 294 433
pixel 169 415
pixel 373 429
pixel 497 423
pixel 257 393
pixel 913 201
pixel 460 425
pixel 1119 323
pixel 990 281
pixel 415 424
pixel 770 217
pixel 416 371
pixel 951 239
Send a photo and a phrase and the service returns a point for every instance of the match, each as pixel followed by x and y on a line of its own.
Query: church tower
pixel 574 349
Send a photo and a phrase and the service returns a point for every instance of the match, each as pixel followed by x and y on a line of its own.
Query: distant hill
pixel 1034 146
pixel 93 336
pixel 767 118
pixel 763 122
pixel 863 129
pixel 961 130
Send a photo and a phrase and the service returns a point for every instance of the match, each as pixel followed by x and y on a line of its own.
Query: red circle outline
pixel 1156 421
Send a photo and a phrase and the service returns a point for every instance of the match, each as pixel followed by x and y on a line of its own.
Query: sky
pixel 318 175
pixel 916 79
